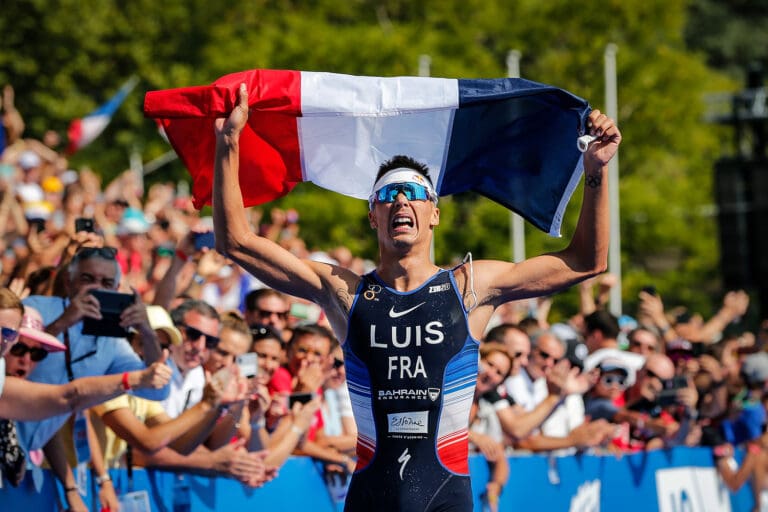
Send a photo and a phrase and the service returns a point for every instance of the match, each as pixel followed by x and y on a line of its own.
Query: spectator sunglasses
pixel 193 334
pixel 411 191
pixel 20 349
pixel 107 253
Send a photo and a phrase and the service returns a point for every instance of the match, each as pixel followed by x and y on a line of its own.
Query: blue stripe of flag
pixel 514 141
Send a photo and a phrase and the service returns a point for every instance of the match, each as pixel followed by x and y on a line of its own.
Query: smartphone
pixel 84 224
pixel 37 224
pixel 203 240
pixel 301 398
pixel 649 289
pixel 668 395
pixel 248 364
pixel 111 304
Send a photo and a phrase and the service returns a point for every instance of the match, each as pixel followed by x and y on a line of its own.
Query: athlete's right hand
pixel 234 124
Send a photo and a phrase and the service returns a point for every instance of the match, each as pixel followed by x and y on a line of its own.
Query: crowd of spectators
pixel 663 377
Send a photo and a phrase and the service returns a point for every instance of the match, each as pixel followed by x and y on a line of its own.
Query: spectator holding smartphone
pixel 31 346
pixel 91 268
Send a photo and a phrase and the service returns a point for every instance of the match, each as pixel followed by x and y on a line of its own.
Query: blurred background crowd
pixel 258 376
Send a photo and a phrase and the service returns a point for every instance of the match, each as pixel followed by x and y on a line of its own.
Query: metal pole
pixel 614 248
pixel 516 222
pixel 137 167
pixel 425 61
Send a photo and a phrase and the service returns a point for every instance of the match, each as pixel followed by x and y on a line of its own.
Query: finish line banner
pixel 676 480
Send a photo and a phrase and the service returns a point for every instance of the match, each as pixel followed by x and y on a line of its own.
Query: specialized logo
pixel 398 314
pixel 440 288
pixel 408 422
pixel 403 460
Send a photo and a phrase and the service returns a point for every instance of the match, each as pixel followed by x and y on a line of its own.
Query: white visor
pixel 402 175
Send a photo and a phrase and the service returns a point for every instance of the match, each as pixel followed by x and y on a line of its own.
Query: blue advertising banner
pixel 675 480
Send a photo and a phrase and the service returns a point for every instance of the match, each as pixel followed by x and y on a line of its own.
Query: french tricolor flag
pixel 83 131
pixel 511 140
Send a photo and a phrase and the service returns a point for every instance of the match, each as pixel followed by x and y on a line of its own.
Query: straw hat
pixel 160 320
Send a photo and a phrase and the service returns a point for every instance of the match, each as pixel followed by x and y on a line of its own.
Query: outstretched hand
pixel 234 124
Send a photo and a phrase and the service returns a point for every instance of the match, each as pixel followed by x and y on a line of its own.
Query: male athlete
pixel 409 329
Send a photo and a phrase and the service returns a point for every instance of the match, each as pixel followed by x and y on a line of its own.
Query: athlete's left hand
pixel 600 152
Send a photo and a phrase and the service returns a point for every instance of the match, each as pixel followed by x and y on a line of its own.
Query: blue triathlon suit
pixel 411 370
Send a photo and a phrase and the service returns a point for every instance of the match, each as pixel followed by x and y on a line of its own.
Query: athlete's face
pixel 404 222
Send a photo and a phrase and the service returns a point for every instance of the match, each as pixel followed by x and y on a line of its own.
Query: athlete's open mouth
pixel 401 221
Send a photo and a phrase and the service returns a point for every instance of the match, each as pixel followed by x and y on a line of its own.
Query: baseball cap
pixel 29 160
pixel 611 359
pixel 754 368
pixel 133 223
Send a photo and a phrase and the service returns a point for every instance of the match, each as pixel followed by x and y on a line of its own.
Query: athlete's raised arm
pixel 329 286
pixel 587 253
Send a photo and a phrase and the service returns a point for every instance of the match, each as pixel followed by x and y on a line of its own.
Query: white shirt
pixel 186 390
pixel 337 405
pixel 529 393
pixel 487 420
pixel 526 392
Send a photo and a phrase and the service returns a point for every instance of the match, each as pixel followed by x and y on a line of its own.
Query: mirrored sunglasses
pixel 8 337
pixel 20 349
pixel 411 191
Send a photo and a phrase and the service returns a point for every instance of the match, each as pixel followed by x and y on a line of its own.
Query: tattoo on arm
pixel 593 180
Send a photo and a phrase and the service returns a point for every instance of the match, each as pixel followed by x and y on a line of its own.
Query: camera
pixel 84 224
pixel 668 395
pixel 301 398
pixel 37 224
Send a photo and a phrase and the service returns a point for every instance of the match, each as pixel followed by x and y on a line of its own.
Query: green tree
pixel 66 57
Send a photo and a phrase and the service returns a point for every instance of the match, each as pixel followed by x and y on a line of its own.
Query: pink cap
pixel 32 327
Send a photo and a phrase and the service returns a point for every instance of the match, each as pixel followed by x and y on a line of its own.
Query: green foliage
pixel 66 57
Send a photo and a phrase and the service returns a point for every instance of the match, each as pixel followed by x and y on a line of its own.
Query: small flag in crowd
pixel 511 140
pixel 83 131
